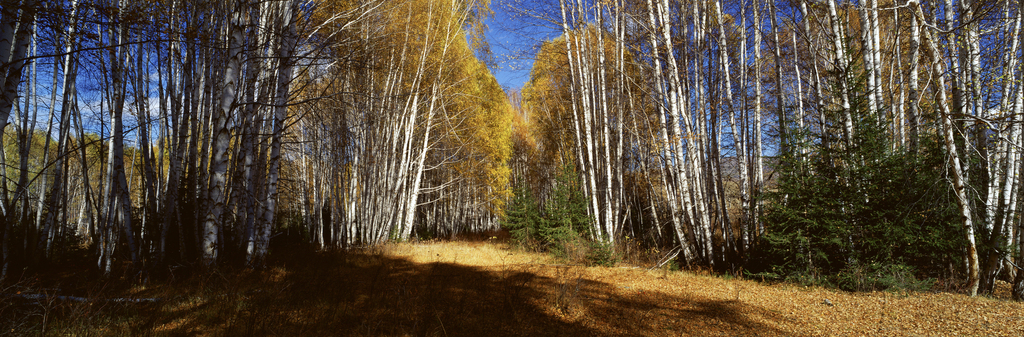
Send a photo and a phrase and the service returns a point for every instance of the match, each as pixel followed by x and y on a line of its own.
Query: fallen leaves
pixel 484 288
pixel 668 304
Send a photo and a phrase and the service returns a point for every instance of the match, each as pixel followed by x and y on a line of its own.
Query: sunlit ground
pixel 483 288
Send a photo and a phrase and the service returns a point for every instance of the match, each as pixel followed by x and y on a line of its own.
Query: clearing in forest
pixel 486 289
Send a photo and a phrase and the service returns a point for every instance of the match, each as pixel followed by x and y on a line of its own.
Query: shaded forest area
pixel 191 132
pixel 484 287
pixel 841 143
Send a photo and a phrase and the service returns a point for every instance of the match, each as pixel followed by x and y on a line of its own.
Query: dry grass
pixel 482 288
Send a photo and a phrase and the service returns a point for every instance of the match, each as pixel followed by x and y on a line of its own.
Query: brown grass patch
pixel 482 288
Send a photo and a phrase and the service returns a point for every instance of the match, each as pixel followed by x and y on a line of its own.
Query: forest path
pixel 483 288
pixel 637 301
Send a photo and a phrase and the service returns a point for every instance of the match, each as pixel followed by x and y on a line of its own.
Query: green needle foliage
pixel 870 216
pixel 522 216
pixel 565 213
pixel 561 227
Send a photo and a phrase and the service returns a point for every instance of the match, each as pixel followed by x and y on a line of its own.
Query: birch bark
pixel 959 184
pixel 211 226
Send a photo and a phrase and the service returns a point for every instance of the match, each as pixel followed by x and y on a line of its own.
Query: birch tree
pixel 954 160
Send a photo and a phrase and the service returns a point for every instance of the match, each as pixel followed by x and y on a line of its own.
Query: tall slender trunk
pixel 666 101
pixel 15 37
pixel 841 66
pixel 780 104
pixel 914 94
pixel 868 55
pixel 1018 223
pixel 119 198
pixel 758 147
pixel 212 223
pixel 959 183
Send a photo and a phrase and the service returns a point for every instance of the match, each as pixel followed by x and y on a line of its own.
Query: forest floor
pixel 481 288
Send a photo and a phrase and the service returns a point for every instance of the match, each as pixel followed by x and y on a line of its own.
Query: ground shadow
pixel 375 293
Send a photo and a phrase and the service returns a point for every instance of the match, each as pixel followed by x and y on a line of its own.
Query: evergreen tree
pixel 868 216
pixel 522 216
pixel 563 228
pixel 565 212
pixel 564 215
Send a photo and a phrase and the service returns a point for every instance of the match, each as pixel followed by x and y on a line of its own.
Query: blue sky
pixel 512 70
pixel 512 40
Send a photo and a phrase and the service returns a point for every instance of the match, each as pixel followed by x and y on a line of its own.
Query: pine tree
pixel 864 216
pixel 565 212
pixel 522 216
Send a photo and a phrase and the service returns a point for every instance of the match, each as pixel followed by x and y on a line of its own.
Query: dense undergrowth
pixel 560 226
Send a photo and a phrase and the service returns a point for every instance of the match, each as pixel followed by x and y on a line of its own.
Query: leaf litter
pixel 637 301
pixel 484 288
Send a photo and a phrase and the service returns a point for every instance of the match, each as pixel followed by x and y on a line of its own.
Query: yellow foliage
pixel 423 52
pixel 487 131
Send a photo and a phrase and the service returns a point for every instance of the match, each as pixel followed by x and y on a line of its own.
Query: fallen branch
pixel 81 299
pixel 668 257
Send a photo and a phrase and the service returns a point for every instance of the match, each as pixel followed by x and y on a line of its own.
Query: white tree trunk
pixel 210 231
pixel 840 65
pixel 286 23
pixel 959 184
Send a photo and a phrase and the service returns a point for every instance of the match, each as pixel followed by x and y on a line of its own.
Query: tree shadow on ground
pixel 376 293
pixel 372 294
